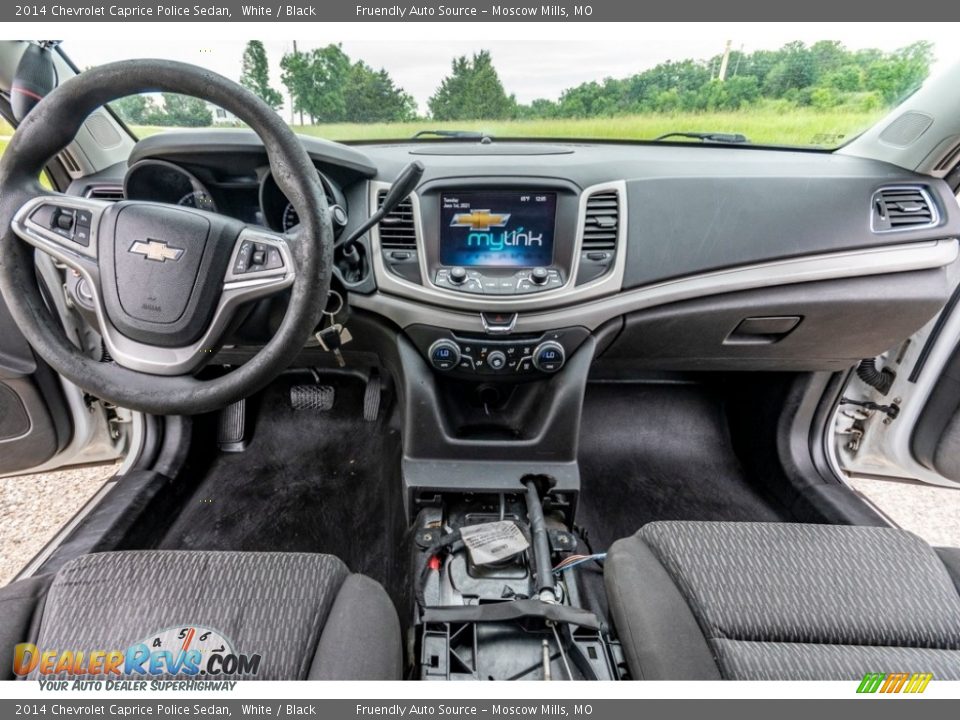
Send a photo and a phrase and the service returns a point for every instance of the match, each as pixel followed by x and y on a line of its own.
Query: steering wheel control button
pixel 496 360
pixel 81 235
pixel 242 263
pixel 444 354
pixel 274 259
pixel 255 257
pixel 549 356
pixel 68 223
pixel 65 220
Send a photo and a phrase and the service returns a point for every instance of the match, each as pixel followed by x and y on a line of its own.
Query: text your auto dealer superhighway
pixel 138 11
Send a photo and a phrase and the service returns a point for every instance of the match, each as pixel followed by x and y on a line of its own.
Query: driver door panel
pixel 34 421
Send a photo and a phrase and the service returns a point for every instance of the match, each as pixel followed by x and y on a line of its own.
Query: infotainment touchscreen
pixel 497 228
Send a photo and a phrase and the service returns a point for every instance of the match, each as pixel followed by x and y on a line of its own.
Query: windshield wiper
pixel 462 134
pixel 728 138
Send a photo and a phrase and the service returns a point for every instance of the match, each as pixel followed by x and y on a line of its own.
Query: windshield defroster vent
pixel 602 222
pixel 903 208
pixel 397 230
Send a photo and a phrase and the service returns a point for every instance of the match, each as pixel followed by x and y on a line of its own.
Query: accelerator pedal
pixel 371 397
pixel 232 433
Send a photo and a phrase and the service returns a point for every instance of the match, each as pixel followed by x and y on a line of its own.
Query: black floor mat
pixel 659 452
pixel 309 482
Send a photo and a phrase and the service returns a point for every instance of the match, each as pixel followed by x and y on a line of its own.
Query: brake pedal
pixel 318 398
pixel 231 435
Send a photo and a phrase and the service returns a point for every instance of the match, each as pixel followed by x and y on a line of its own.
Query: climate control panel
pixel 499 282
pixel 485 357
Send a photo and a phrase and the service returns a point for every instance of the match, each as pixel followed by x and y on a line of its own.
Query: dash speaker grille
pixel 906 129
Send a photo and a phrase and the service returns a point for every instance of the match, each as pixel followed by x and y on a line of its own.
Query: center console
pixel 489 399
pixel 492 413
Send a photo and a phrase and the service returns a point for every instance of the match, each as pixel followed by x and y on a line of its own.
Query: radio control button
pixel 458 275
pixel 539 275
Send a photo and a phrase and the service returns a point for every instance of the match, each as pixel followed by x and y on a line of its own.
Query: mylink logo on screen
pixel 482 222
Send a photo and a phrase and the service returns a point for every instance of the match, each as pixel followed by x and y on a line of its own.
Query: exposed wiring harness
pixel 574 560
pixel 879 379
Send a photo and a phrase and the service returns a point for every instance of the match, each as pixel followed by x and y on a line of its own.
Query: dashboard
pixel 508 255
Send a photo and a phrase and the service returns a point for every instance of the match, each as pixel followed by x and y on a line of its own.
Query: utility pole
pixel 292 103
pixel 724 62
pixel 291 92
pixel 736 68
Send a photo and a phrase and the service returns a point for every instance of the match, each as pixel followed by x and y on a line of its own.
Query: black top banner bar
pixel 473 11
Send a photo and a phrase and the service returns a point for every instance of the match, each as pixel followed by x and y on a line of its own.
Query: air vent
pixel 950 160
pixel 602 223
pixel 70 163
pixel 397 229
pixel 105 192
pixel 903 208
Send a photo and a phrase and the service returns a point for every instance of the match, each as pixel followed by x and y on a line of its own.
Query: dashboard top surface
pixel 688 209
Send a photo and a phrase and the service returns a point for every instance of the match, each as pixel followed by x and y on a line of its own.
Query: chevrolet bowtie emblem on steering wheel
pixel 156 250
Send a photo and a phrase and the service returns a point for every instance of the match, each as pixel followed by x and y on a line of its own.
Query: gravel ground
pixel 931 512
pixel 34 507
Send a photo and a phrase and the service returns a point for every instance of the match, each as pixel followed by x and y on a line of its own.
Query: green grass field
pixel 799 126
pixel 802 126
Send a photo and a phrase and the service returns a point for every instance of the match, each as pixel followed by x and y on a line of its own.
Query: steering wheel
pixel 166 281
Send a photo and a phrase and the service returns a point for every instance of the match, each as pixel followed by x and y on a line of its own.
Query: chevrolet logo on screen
pixel 480 220
pixel 156 250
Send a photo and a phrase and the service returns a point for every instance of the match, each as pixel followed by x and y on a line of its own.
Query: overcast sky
pixel 529 69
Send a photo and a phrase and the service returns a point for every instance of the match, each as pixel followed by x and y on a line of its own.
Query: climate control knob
pixel 549 356
pixel 444 354
pixel 496 360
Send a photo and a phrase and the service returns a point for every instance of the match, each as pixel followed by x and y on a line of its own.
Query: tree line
pixel 326 86
pixel 822 75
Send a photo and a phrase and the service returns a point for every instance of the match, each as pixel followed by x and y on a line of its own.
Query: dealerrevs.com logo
pixel 188 652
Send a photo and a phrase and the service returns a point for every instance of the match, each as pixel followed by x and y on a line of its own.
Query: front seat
pixel 305 614
pixel 772 601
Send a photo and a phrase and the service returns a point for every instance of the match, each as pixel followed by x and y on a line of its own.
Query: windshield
pixel 760 88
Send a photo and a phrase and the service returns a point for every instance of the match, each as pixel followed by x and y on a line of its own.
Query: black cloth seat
pixel 305 614
pixel 781 601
